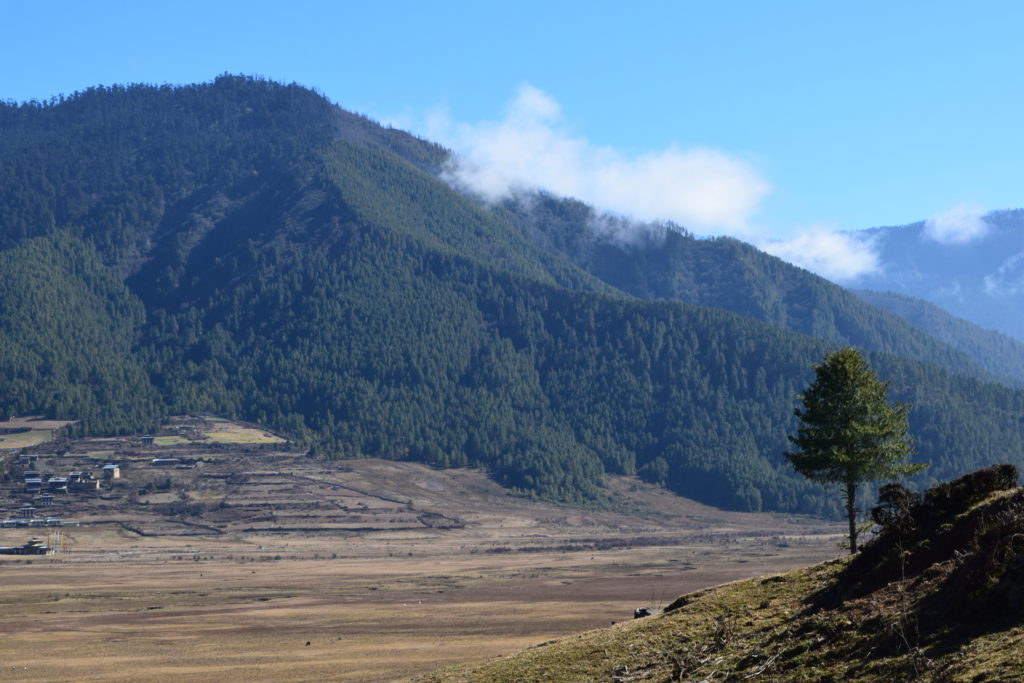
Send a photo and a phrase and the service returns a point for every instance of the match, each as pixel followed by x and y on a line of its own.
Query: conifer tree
pixel 849 433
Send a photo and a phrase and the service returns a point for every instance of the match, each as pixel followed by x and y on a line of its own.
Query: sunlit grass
pixel 236 434
pixel 168 440
pixel 26 439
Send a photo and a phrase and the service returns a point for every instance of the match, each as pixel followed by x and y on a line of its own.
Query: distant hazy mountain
pixel 980 279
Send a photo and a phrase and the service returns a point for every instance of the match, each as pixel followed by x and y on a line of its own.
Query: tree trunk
pixel 851 513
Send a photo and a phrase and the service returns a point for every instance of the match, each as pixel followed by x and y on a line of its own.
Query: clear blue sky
pixel 854 114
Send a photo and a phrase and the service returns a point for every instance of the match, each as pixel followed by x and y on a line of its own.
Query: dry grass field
pixel 34 422
pixel 222 431
pixel 264 565
pixel 25 439
pixel 23 432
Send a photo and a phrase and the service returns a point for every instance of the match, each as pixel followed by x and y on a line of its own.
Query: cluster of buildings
pixel 44 488
pixel 47 487
pixel 26 517
pixel 33 547
pixel 74 481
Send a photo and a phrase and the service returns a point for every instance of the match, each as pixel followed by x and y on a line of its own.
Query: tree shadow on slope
pixel 943 570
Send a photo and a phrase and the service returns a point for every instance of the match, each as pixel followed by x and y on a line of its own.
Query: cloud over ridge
pixel 705 190
pixel 960 225
pixel 840 256
pixel 529 148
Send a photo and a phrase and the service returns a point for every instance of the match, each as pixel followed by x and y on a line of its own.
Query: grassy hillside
pixel 936 596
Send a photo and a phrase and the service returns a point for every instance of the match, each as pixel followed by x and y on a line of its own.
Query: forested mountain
pixel 68 330
pixel 999 354
pixel 664 262
pixel 976 274
pixel 247 248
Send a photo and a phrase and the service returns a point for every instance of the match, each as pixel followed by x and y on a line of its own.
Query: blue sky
pixel 760 119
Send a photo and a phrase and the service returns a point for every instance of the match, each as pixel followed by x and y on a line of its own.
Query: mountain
pixel 68 330
pixel 247 248
pixel 999 354
pixel 977 275
pixel 664 262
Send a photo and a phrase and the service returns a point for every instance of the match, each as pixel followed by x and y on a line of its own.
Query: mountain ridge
pixel 976 276
pixel 332 288
pixel 999 353
pixel 664 262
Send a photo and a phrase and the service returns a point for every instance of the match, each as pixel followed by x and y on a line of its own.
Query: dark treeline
pixel 246 248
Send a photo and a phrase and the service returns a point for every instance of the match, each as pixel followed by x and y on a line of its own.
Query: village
pixel 51 480
pixel 208 477
pixel 196 476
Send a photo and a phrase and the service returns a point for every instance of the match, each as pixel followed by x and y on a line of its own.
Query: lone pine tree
pixel 849 433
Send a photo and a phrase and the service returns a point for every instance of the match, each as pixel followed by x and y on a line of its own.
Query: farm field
pixel 262 564
pixel 23 432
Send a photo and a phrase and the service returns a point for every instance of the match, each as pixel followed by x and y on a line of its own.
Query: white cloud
pixel 834 255
pixel 701 189
pixel 1008 279
pixel 954 290
pixel 707 191
pixel 959 225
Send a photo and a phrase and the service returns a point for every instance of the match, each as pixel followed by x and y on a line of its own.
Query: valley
pixel 260 563
pixel 459 427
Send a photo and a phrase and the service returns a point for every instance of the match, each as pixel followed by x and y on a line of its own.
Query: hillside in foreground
pixel 937 595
